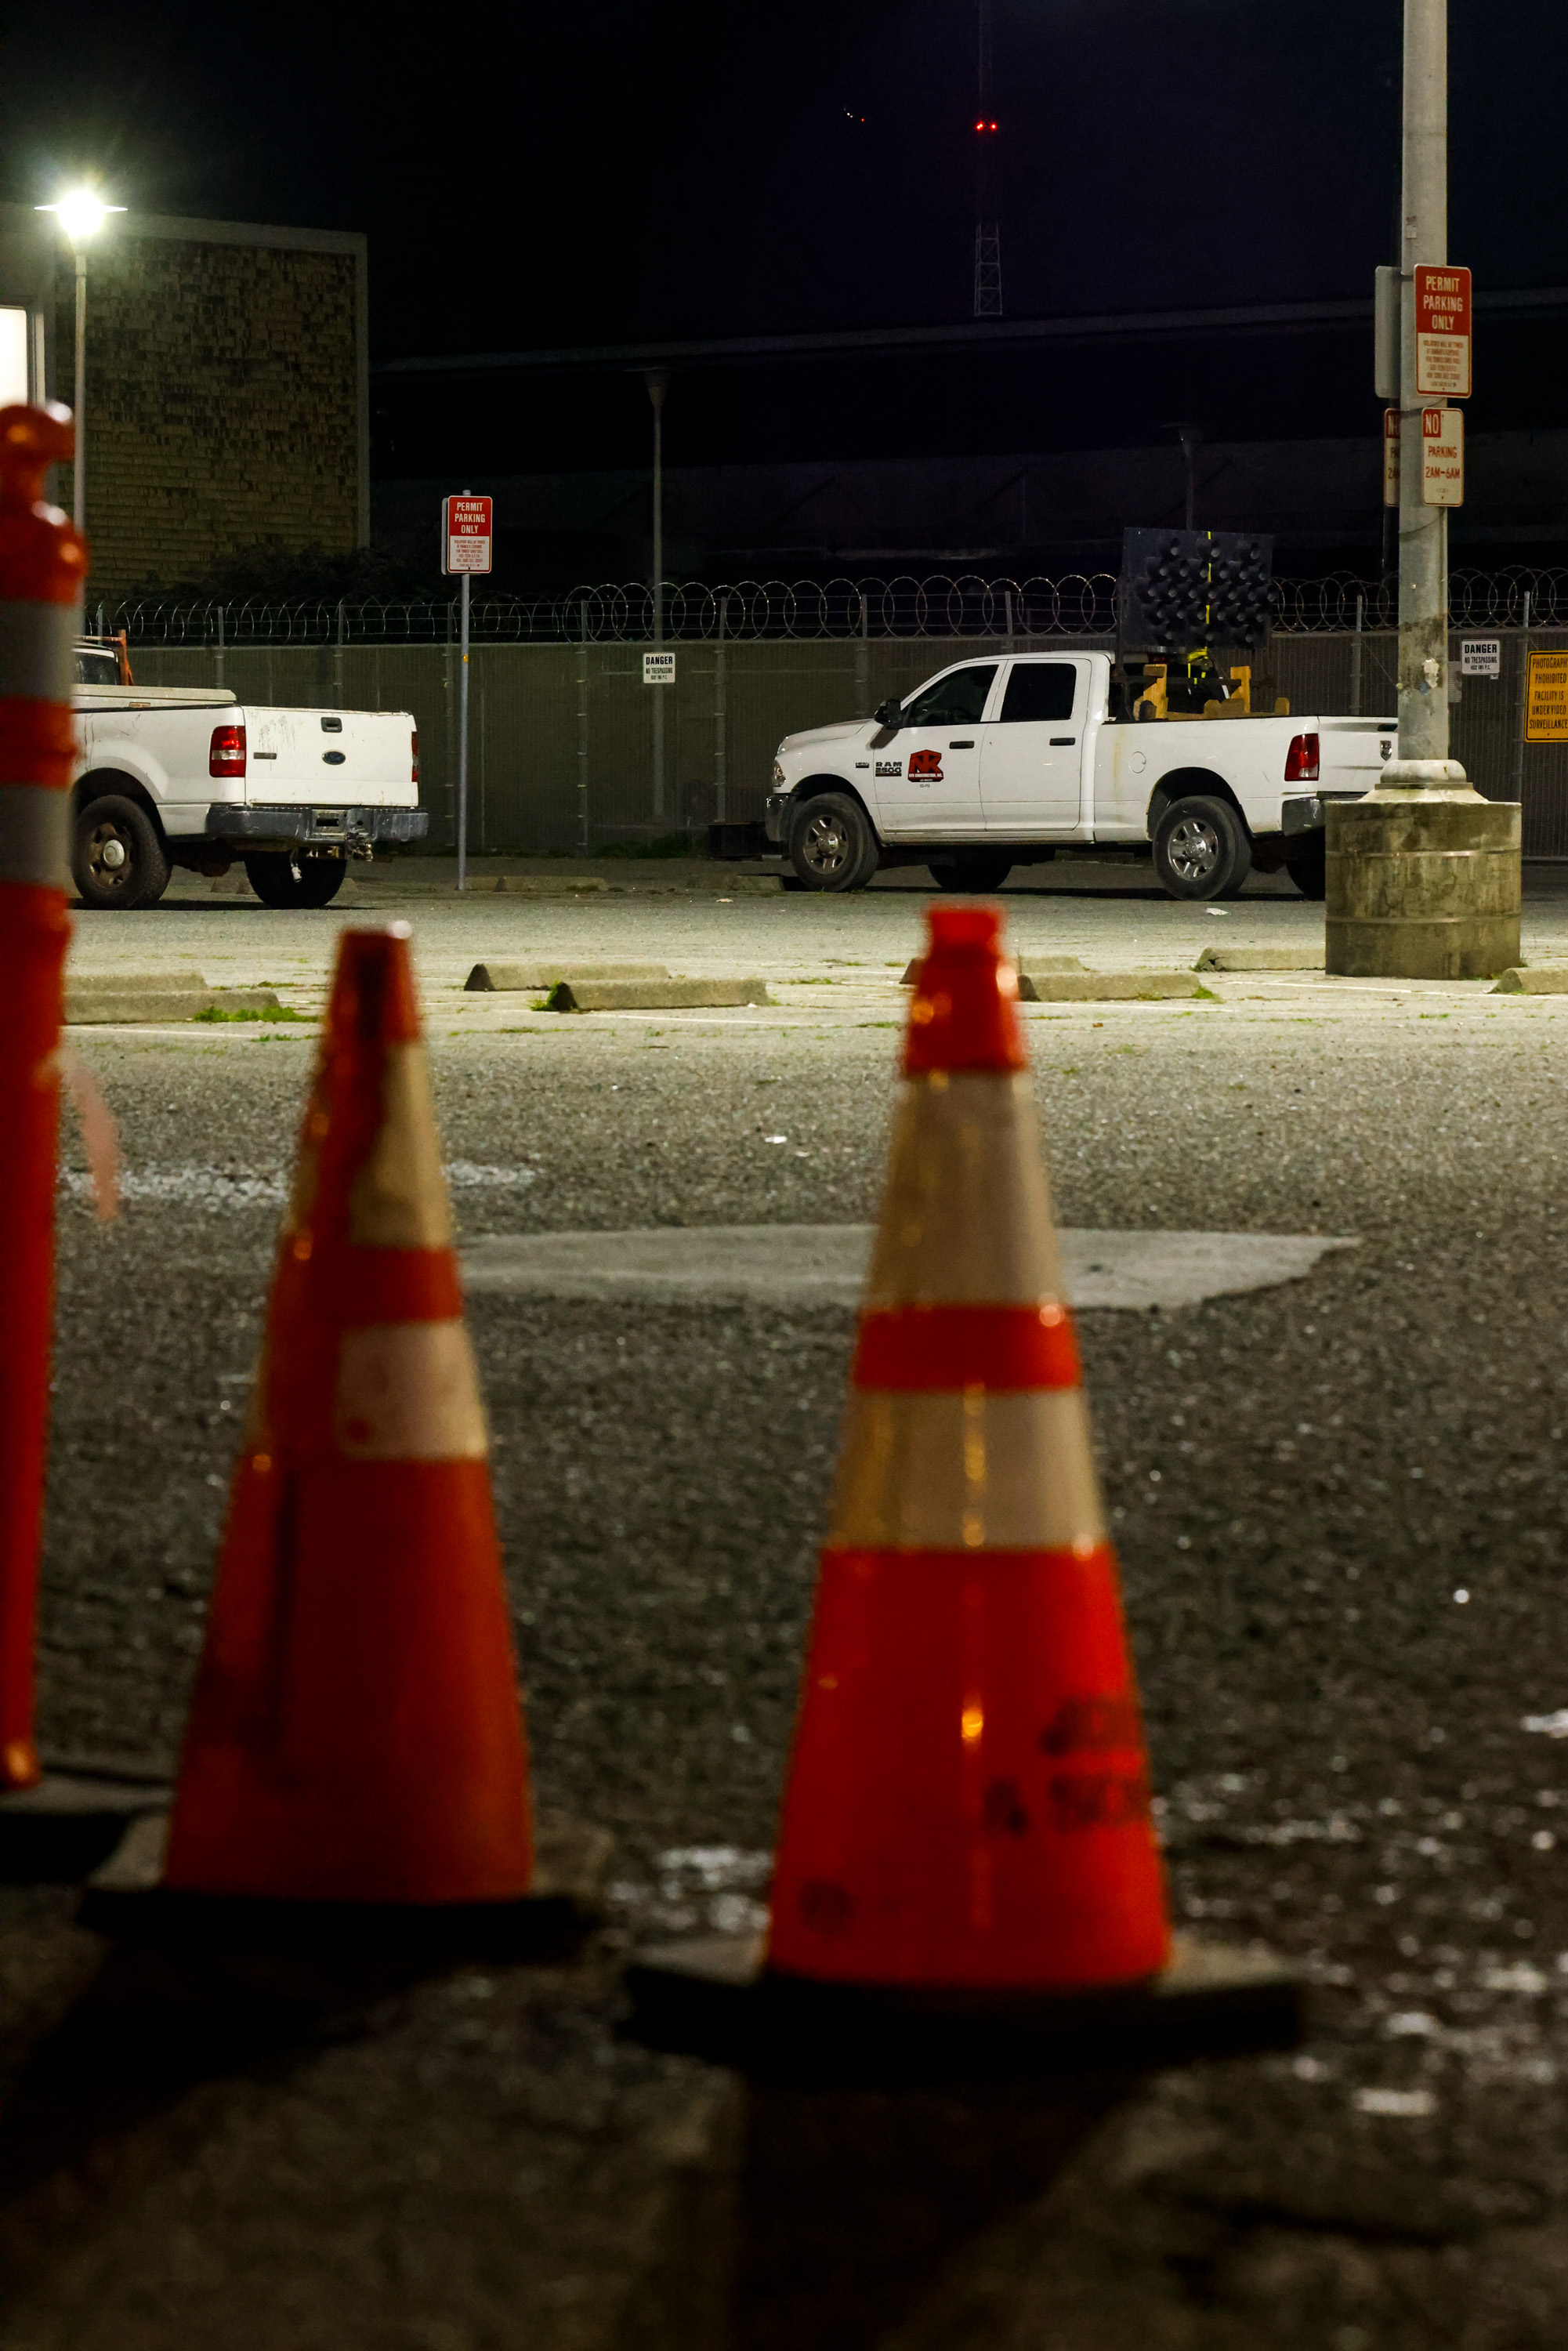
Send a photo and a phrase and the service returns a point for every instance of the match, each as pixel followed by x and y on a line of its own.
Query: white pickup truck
pixel 188 776
pixel 1000 762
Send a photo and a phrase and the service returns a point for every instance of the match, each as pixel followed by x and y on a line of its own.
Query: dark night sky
pixel 598 172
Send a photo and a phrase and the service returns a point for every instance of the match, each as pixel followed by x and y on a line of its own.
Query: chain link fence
pixel 561 753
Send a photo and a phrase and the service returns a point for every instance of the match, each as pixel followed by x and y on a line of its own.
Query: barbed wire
pixel 1078 605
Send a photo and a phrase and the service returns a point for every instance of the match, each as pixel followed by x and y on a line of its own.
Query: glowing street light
pixel 81 215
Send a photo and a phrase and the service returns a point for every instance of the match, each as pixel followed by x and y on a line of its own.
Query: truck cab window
pixel 1038 690
pixel 956 700
pixel 94 668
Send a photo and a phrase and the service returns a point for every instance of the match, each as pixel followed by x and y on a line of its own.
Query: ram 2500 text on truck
pixel 188 776
pixel 1000 762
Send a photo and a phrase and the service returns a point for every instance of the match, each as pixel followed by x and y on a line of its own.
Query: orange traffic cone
pixel 42 561
pixel 968 1799
pixel 356 1734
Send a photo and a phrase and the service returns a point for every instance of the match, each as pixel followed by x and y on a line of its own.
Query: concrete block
pixel 1112 986
pixel 1422 886
pixel 656 995
pixel 507 976
pixel 1027 965
pixel 95 999
pixel 1535 979
pixel 1260 959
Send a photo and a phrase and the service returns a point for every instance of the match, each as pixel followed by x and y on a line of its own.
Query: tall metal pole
pixel 78 468
pixel 1423 529
pixel 658 384
pixel 1523 714
pixel 721 714
pixel 583 831
pixel 1422 876
pixel 463 740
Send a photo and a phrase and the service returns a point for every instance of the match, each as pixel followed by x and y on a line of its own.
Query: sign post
pixel 465 540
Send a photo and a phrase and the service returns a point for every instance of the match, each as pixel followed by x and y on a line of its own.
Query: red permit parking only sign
pixel 1443 331
pixel 466 534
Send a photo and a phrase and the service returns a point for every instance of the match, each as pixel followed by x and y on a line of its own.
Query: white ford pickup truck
pixel 1000 762
pixel 188 776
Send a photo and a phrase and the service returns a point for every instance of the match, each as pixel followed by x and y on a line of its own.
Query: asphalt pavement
pixel 1339 1501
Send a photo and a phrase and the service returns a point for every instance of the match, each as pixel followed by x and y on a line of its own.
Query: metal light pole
pixel 1422 878
pixel 658 384
pixel 1423 529
pixel 81 215
pixel 463 734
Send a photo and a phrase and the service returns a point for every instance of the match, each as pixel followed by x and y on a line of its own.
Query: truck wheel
pixel 117 856
pixel 831 843
pixel 281 879
pixel 977 871
pixel 1307 865
pixel 1201 849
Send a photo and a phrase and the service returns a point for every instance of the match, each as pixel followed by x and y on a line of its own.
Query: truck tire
pixel 281 879
pixel 118 857
pixel 977 871
pixel 1307 865
pixel 832 845
pixel 1202 849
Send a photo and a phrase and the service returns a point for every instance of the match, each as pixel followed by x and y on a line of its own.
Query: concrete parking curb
pixel 1108 986
pixel 1538 979
pixel 1028 968
pixel 499 978
pixel 1261 959
pixel 656 995
pixel 93 1000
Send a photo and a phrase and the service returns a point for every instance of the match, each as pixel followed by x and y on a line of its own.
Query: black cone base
pixel 714 1997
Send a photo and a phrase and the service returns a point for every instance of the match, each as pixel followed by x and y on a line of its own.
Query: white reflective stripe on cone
pixel 37 651
pixel 943 1472
pixel 966 1218
pixel 35 835
pixel 409 1392
pixel 399 1199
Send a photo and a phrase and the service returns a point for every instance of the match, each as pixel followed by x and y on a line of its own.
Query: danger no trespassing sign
pixel 658 669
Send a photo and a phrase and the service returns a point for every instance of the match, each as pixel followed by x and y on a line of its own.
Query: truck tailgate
pixel 1352 752
pixel 329 757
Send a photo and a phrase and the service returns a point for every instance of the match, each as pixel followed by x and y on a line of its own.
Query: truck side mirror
pixel 889 714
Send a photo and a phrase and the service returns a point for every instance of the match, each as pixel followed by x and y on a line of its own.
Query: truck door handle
pixel 1059 742
pixel 967 745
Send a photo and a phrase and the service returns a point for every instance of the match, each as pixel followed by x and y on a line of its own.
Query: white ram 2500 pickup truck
pixel 1000 762
pixel 172 775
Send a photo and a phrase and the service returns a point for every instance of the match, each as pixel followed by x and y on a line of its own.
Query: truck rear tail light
pixel 1301 760
pixel 413 752
pixel 225 754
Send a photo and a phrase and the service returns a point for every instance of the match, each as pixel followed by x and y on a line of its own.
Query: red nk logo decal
pixel 926 765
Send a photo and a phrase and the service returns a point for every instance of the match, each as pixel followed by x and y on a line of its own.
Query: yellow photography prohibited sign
pixel 1546 704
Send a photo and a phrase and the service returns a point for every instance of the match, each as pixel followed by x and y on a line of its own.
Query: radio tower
pixel 987 227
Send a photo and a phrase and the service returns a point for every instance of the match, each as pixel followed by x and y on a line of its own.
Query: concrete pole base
pixel 1423 882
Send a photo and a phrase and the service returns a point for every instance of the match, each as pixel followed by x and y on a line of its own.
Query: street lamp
pixel 81 215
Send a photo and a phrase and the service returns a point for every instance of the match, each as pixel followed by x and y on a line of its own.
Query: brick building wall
pixel 227 393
